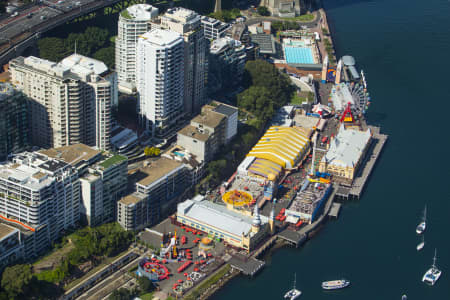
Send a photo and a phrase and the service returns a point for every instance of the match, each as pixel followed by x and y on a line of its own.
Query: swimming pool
pixel 298 55
pixel 178 153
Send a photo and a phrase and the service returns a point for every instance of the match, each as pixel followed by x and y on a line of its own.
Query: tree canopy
pixel 120 294
pixel 88 43
pixel 263 11
pixel 145 285
pixel 226 15
pixel 257 100
pixel 267 89
pixel 16 279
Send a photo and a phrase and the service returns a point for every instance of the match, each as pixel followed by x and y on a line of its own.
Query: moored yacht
pixel 422 226
pixel 294 293
pixel 432 275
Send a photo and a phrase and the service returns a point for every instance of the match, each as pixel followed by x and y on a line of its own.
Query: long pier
pixel 355 191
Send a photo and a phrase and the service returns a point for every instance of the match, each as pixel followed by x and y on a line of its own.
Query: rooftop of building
pixel 210 20
pixel 347 147
pixel 75 66
pixel 221 44
pixel 158 169
pixel 341 96
pixel 72 154
pixel 217 216
pixel 90 177
pixel 282 145
pixel 31 170
pixel 237 31
pixel 6 230
pixel 192 132
pixel 226 109
pixel 182 15
pixel 161 37
pixel 113 160
pixel 82 65
pixel 140 12
pixel 132 198
pixel 265 42
pixel 180 154
pixel 209 118
pixel 122 137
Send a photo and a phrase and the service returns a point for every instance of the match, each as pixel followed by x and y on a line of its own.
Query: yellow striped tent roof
pixel 282 145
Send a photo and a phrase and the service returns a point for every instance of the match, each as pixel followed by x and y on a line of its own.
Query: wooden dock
pixel 334 211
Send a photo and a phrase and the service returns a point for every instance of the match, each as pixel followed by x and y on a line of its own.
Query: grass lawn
pixel 296 99
pixel 148 296
pixel 112 160
pixel 302 18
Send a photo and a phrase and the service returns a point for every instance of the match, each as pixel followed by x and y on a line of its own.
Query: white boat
pixel 294 293
pixel 335 284
pixel 421 245
pixel 432 275
pixel 421 227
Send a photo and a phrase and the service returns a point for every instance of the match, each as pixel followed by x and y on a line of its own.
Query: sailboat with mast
pixel 421 227
pixel 421 244
pixel 432 275
pixel 294 293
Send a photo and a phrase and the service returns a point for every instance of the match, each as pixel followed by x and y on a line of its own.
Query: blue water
pixel 403 47
pixel 298 55
pixel 178 153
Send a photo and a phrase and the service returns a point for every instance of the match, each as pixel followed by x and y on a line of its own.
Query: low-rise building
pixel 216 220
pixel 214 29
pixel 124 141
pixel 163 181
pixel 208 131
pixel 231 117
pixel 134 212
pixel 204 135
pixel 346 153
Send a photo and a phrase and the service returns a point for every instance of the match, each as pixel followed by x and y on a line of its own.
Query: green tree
pixel 263 11
pixel 264 74
pixel 51 48
pixel 106 55
pixel 15 280
pixel 120 294
pixel 145 284
pixel 217 170
pixel 258 101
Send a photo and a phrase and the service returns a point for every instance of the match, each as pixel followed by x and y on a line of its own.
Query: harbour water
pixel 403 47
